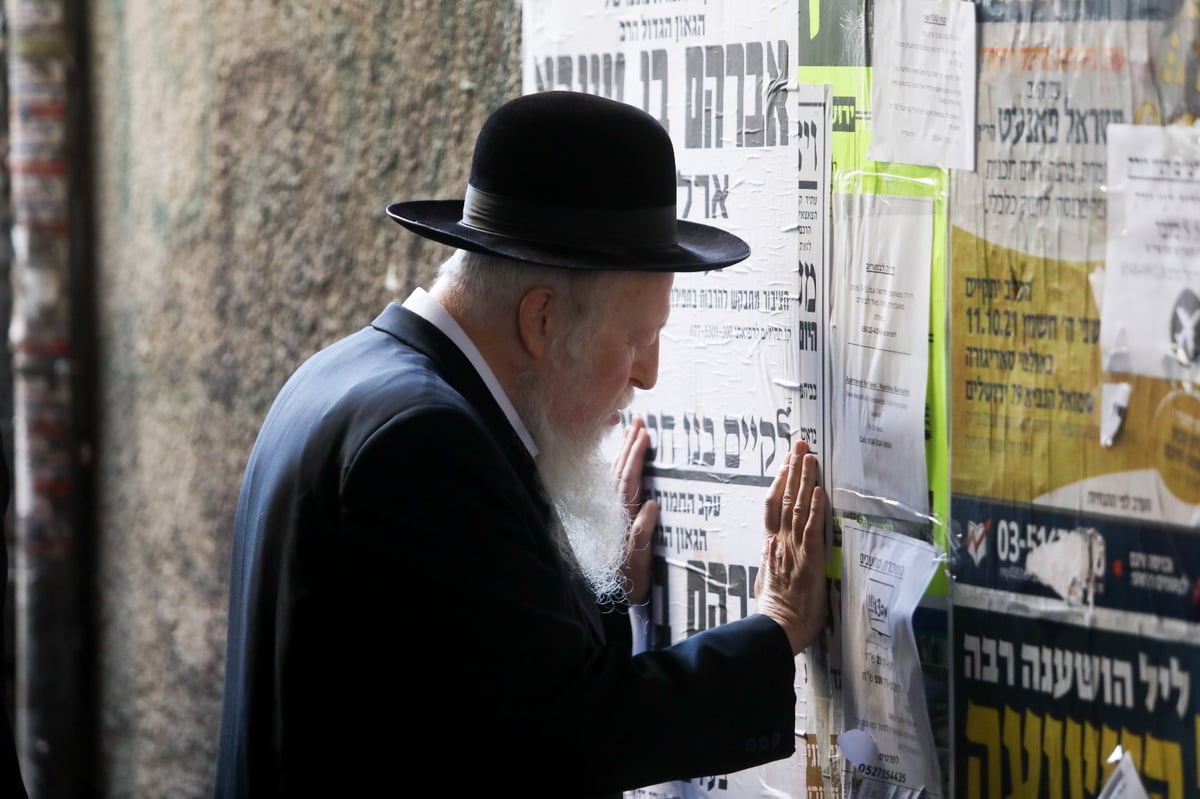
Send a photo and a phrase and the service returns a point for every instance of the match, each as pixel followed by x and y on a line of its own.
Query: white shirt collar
pixel 425 306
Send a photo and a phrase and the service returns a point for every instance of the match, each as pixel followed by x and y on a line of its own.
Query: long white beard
pixel 581 487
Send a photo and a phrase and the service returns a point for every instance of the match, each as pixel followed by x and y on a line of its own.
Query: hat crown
pixel 576 150
pixel 573 180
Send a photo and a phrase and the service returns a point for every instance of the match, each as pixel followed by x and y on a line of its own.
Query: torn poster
pixel 888 744
pixel 1150 317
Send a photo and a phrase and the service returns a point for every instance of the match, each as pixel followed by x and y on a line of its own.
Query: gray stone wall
pixel 244 151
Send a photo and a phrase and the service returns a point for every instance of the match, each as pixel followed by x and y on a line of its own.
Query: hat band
pixel 590 228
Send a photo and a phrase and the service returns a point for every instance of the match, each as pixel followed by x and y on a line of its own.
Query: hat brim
pixel 699 248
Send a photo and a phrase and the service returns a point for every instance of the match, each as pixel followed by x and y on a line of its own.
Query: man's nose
pixel 645 368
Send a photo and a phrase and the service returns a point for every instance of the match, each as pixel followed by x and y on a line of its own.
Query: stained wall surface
pixel 243 153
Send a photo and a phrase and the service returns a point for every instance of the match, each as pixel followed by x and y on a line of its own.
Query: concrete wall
pixel 244 151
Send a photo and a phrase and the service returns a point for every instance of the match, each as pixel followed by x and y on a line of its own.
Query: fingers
pixel 641 532
pixel 786 495
pixel 793 510
pixel 790 585
pixel 774 501
pixel 630 463
pixel 814 527
pixel 806 485
pixel 638 553
pixel 807 540
pixel 794 497
pixel 627 444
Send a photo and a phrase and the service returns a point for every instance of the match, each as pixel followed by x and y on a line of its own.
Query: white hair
pixel 482 286
pixel 591 527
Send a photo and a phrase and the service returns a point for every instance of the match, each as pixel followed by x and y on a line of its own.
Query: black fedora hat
pixel 573 180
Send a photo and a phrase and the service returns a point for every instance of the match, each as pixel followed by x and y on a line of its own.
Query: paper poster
pixel 880 341
pixel 923 88
pixel 1075 557
pixel 888 742
pixel 743 358
pixel 1041 706
pixel 836 34
pixel 1035 416
pixel 1078 562
pixel 1150 316
pixel 854 173
pixel 1047 92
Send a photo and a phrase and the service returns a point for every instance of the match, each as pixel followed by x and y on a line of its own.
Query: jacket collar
pixel 423 336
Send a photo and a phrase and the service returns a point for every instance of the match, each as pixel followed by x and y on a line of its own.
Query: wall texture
pixel 244 151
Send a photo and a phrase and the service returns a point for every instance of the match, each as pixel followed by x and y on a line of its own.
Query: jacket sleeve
pixel 443 608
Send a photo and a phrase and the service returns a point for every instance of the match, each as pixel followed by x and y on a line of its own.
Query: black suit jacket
pixel 399 615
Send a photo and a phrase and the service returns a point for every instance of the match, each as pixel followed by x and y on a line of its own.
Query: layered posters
pixel 1075 478
pixel 743 356
pixel 880 706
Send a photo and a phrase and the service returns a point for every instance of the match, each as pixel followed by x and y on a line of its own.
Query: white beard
pixel 592 526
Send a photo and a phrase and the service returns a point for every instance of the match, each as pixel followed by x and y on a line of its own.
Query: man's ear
pixel 535 320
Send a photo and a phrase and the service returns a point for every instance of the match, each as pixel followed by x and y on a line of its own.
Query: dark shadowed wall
pixel 243 152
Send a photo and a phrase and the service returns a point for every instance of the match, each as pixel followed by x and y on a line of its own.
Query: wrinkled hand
pixel 791 579
pixel 643 515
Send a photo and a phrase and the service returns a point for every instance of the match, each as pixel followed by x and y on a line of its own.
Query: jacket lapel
pixel 418 333
pixel 422 336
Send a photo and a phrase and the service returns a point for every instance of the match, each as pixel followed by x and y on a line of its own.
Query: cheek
pixel 612 376
pixel 598 386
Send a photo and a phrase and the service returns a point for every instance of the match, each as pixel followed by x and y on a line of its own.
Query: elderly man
pixel 431 567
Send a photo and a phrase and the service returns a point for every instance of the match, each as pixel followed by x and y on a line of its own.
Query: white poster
pixel 888 744
pixel 1150 312
pixel 1047 92
pixel 743 358
pixel 923 83
pixel 879 338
